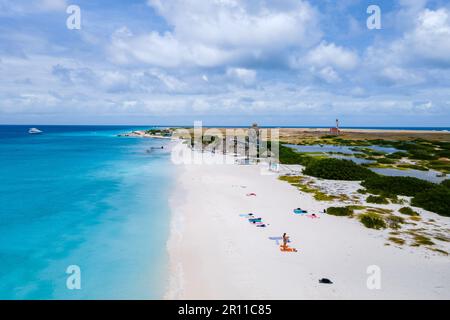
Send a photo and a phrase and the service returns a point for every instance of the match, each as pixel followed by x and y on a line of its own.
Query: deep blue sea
pixel 80 195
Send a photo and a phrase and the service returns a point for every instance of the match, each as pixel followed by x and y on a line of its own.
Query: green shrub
pixel 408 211
pixel 446 183
pixel 340 211
pixel 396 240
pixel 422 155
pixel 444 153
pixel 397 155
pixel 406 186
pixel 413 166
pixel 394 222
pixel 385 161
pixel 422 240
pixel 436 200
pixel 337 169
pixel 444 145
pixel 439 165
pixel 372 220
pixel 289 156
pixel 377 200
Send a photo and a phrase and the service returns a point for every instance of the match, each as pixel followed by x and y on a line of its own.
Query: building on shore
pixel 335 131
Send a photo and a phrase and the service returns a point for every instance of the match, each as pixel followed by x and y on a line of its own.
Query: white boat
pixel 34 131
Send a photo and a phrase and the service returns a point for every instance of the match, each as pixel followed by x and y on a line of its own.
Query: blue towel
pixel 277 240
pixel 246 215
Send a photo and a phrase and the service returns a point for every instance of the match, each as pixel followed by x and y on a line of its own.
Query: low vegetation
pixel 426 195
pixel 396 240
pixel 394 222
pixel 408 211
pixel 446 184
pixel 337 169
pixel 289 156
pixel 372 220
pixel 377 200
pixel 393 186
pixel 435 200
pixel 297 181
pixel 422 240
pixel 340 211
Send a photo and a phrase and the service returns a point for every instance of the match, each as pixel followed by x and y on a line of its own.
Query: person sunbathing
pixel 284 247
pixel 285 239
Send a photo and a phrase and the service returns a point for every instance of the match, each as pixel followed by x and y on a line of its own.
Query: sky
pixel 225 62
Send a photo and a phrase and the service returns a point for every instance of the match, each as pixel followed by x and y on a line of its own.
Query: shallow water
pixel 82 196
pixel 430 175
pixel 322 148
pixel 343 149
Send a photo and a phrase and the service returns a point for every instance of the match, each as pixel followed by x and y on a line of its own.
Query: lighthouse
pixel 335 131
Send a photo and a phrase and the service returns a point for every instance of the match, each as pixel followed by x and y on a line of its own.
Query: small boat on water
pixel 34 131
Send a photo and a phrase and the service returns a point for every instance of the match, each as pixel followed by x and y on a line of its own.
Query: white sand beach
pixel 216 254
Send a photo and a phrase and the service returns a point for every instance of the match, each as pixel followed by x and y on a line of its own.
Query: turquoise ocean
pixel 80 195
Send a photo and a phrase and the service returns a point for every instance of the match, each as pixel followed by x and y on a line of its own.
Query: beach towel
pixel 313 216
pixel 277 240
pixel 300 211
pixel 254 220
pixel 248 215
pixel 287 249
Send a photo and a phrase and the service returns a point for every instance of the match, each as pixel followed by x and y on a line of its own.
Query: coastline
pixel 216 254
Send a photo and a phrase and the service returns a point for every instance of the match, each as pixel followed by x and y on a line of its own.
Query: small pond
pixel 430 175
pixel 343 149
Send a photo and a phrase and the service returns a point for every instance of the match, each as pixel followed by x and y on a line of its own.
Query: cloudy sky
pixel 225 62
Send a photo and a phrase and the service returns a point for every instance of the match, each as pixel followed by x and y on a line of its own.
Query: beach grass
pixel 372 221
pixel 340 211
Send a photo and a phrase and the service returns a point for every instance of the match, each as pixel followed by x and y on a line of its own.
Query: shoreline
pixel 215 254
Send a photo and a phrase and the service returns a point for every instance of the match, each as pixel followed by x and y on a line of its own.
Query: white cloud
pixel 214 33
pixel 426 44
pixel 328 74
pixel 421 55
pixel 114 81
pixel 246 76
pixel 226 59
pixel 430 40
pixel 170 82
pixel 400 75
pixel 329 54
